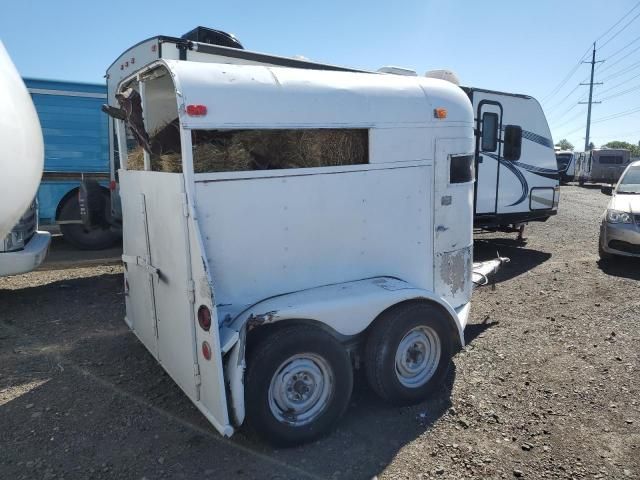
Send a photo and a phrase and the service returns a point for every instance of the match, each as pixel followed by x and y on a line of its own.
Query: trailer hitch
pixel 484 272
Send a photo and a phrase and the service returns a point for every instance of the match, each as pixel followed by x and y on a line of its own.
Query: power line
pixel 606 119
pixel 618 61
pixel 618 85
pixel 624 47
pixel 624 92
pixel 623 28
pixel 618 115
pixel 555 106
pixel 619 134
pixel 618 22
pixel 622 72
pixel 566 78
pixel 573 70
pixel 566 122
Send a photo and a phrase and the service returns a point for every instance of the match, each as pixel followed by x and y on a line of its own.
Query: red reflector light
pixel 204 318
pixel 206 350
pixel 112 185
pixel 196 110
pixel 440 113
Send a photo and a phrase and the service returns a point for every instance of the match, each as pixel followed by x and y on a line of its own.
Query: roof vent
pixel 398 71
pixel 214 37
pixel 447 75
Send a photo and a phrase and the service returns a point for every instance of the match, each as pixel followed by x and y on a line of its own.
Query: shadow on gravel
pixel 89 401
pixel 474 330
pixel 625 267
pixel 522 259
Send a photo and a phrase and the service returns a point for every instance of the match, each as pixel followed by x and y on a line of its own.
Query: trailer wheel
pixel 408 353
pixel 84 238
pixel 298 384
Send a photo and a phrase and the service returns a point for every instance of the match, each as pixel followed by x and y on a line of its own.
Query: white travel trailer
pixel 602 165
pixel 516 169
pixel 295 266
pixel 567 164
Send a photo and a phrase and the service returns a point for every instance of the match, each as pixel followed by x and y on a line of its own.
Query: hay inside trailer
pixel 245 150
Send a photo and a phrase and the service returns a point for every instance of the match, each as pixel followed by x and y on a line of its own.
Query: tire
pixel 420 330
pixel 76 234
pixel 324 369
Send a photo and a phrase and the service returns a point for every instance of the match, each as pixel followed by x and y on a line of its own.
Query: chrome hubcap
pixel 418 356
pixel 300 389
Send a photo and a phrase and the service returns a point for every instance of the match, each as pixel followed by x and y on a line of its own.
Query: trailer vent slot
pixel 461 169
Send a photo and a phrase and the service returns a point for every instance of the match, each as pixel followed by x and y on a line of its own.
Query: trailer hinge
pixel 185 205
pixel 196 374
pixel 143 262
pixel 191 291
pixel 197 379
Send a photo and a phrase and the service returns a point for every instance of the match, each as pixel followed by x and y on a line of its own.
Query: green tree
pixel 564 144
pixel 635 149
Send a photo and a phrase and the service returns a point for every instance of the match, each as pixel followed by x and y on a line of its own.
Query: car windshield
pixel 563 159
pixel 630 181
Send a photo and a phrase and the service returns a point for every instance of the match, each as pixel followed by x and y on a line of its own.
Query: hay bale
pixel 226 156
pixel 135 159
pixel 242 150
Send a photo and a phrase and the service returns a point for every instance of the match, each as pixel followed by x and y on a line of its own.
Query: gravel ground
pixel 546 388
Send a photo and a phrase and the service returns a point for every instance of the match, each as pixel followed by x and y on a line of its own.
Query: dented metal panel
pixel 298 232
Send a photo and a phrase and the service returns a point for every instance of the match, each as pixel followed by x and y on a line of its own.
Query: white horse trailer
pixel 516 170
pixel 297 272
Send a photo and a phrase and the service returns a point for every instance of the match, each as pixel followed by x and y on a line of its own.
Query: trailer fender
pixel 347 308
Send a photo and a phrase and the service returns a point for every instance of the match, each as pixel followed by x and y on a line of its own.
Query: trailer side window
pixel 512 142
pixel 245 150
pixel 611 159
pixel 461 169
pixel 489 132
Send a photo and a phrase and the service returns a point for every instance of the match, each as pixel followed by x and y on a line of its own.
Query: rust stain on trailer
pixel 453 269
pixel 261 318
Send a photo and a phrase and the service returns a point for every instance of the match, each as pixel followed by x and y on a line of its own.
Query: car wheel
pixel 408 353
pixel 298 384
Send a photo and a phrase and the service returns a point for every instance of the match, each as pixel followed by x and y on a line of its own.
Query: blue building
pixel 76 145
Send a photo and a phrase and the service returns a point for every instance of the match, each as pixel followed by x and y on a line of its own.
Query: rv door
pixel 488 155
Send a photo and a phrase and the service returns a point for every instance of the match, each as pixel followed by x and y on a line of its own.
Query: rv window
pixel 243 150
pixel 610 159
pixel 512 142
pixel 489 132
pixel 461 169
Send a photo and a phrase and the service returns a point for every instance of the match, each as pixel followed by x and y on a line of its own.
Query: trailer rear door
pixel 160 300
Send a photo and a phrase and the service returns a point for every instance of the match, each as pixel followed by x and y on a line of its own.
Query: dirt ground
pixel 547 387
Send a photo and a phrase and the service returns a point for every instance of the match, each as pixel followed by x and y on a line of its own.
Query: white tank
pixel 21 146
pixel 447 75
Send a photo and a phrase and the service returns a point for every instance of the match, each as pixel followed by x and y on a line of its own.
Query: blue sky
pixel 517 46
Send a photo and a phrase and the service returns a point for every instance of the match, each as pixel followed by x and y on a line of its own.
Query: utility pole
pixel 590 102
